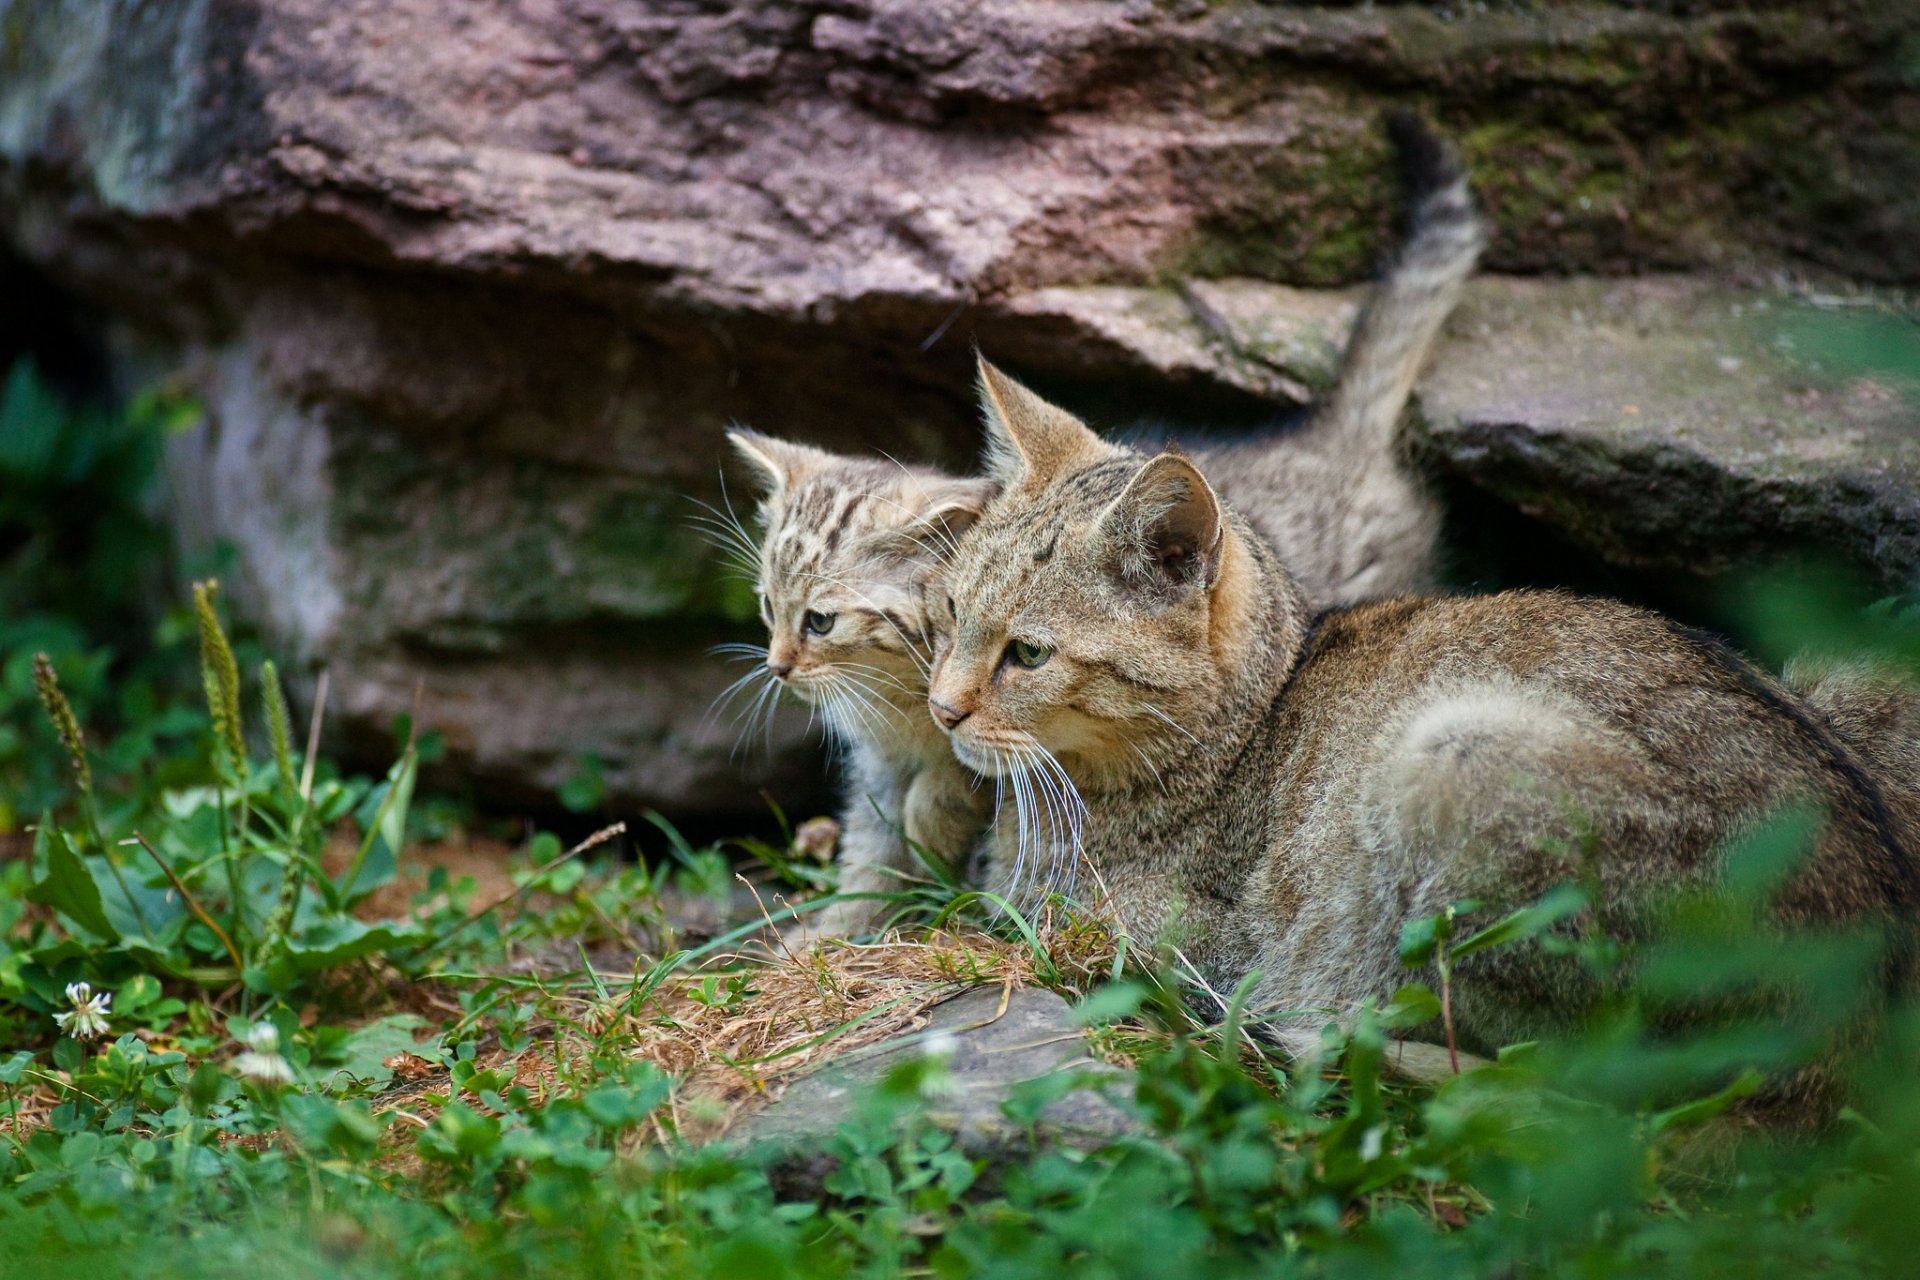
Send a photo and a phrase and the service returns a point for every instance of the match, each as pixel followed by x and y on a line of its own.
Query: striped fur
pixel 1333 495
pixel 1278 791
pixel 1873 707
pixel 854 540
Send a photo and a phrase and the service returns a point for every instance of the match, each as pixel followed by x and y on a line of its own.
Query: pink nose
pixel 781 670
pixel 949 718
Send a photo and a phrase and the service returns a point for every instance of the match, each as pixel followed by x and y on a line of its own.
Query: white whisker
pixel 1050 815
pixel 1168 720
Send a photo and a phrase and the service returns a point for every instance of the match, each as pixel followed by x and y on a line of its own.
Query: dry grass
pixel 736 1032
pixel 732 1055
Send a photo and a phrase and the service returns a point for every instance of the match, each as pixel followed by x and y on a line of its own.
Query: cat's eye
pixel 951 611
pixel 816 623
pixel 1024 653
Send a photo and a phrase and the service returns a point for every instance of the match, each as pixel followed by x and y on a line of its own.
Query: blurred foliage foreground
pixel 239 1040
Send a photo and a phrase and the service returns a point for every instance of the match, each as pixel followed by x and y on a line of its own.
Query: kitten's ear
pixel 947 510
pixel 1030 441
pixel 953 507
pixel 779 464
pixel 1166 526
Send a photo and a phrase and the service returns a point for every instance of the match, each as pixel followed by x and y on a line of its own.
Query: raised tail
pixel 1396 330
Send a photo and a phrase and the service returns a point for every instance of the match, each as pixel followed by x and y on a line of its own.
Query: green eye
pixel 1028 655
pixel 816 623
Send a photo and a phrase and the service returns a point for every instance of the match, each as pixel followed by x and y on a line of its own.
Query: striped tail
pixel 1396 330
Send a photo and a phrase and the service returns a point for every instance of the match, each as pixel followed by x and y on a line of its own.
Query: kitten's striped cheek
pixel 870 631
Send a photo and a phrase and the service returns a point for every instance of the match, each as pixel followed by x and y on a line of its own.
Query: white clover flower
pixel 938 1051
pixel 87 1020
pixel 262 1061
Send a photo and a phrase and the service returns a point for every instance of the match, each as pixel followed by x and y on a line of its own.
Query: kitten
pixel 1281 791
pixel 1333 494
pixel 841 575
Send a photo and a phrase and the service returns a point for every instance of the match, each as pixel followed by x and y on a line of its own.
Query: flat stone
pixel 988 1056
pixel 1680 424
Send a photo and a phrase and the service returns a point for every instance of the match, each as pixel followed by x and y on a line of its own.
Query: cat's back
pixel 1709 738
pixel 1639 671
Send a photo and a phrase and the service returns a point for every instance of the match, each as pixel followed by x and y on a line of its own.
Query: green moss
pixel 466 547
pixel 1307 215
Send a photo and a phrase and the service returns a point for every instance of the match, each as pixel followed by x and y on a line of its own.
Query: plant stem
pixel 293 882
pixel 234 888
pixel 19 1139
pixel 125 888
pixel 313 737
pixel 352 874
pixel 599 837
pixel 193 904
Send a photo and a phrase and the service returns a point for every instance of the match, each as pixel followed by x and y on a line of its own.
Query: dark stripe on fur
pixel 832 537
pixel 1900 882
pixel 908 633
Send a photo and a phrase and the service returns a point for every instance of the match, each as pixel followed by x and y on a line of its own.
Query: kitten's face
pixel 842 570
pixel 1081 604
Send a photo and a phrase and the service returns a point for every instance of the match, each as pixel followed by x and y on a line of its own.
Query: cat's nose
pixel 949 718
pixel 781 670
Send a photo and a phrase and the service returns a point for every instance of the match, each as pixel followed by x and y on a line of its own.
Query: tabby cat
pixel 841 572
pixel 848 544
pixel 1280 789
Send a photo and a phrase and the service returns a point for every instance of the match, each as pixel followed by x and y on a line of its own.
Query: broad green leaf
pixel 340 939
pixel 384 817
pixel 618 1106
pixel 161 909
pixel 584 791
pixel 1703 1109
pixel 1411 1006
pixel 136 993
pixel 1417 940
pixel 360 1058
pixel 67 885
pixel 1110 1003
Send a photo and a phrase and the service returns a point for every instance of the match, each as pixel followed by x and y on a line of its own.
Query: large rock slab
pixel 469 290
pixel 1688 427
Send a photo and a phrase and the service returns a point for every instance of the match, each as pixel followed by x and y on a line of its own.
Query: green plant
pixel 225 884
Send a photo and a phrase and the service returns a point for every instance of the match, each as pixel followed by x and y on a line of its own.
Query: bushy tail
pixel 1396 331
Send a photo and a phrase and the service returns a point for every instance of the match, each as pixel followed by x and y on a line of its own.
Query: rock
pixel 470 291
pixel 989 1056
pixel 1675 425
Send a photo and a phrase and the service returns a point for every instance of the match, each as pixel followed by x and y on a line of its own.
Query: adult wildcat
pixel 1281 788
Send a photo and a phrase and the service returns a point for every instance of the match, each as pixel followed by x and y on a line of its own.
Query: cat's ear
pixel 778 464
pixel 1166 527
pixel 1030 442
pixel 945 512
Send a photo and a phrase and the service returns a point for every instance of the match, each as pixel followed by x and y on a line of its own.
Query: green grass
pixel 291 1083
